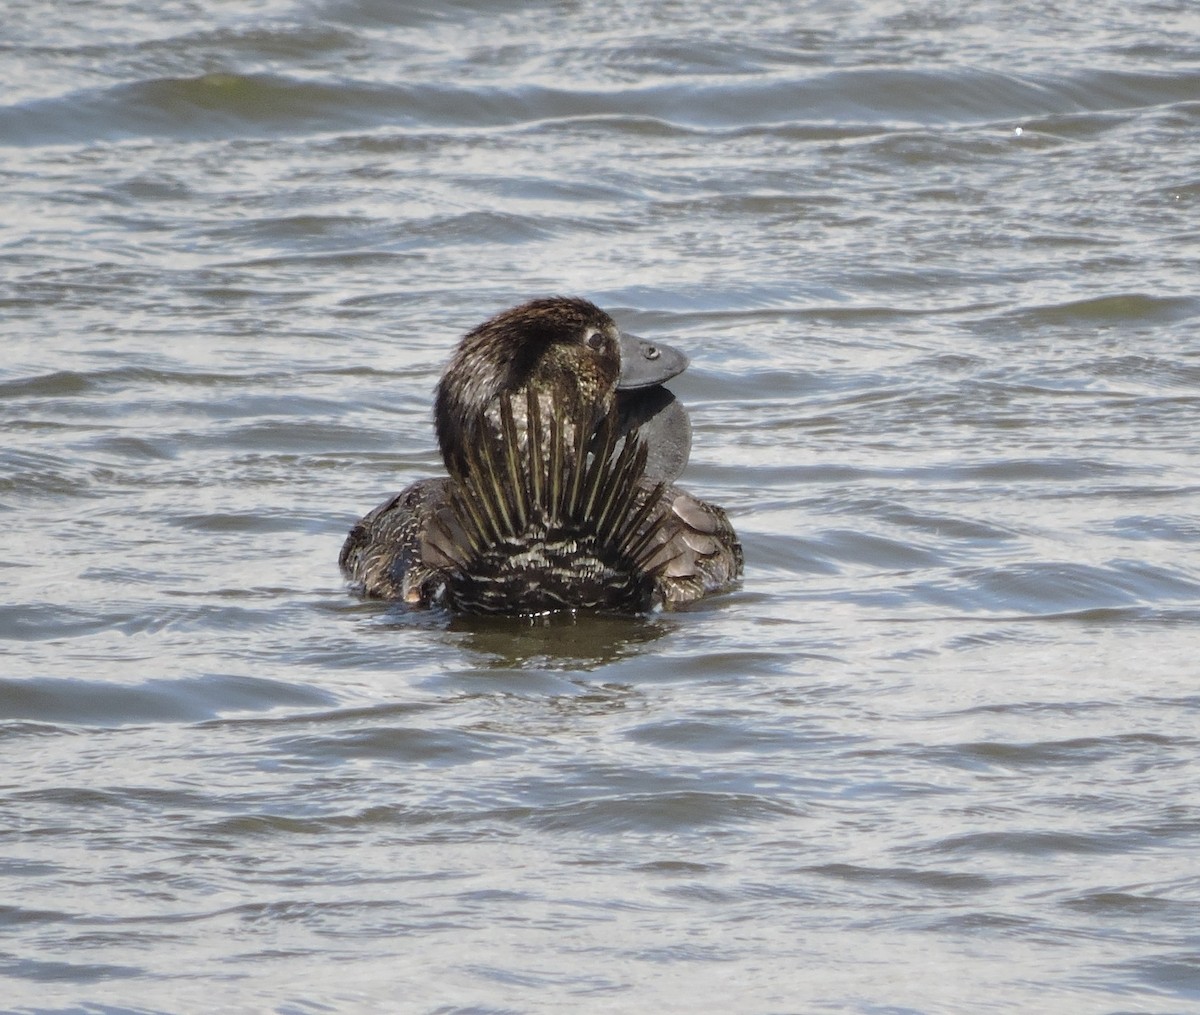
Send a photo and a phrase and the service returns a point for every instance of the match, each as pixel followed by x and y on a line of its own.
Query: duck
pixel 561 448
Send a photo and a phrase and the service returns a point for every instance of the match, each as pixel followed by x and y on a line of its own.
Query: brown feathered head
pixel 568 350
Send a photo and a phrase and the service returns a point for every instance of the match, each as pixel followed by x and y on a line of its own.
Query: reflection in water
pixel 559 642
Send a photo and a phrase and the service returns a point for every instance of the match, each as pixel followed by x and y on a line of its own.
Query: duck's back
pixel 538 521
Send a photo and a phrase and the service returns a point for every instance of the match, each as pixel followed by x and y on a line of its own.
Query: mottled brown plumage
pixel 567 350
pixel 549 504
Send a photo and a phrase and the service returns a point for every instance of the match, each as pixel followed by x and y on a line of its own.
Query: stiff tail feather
pixel 546 516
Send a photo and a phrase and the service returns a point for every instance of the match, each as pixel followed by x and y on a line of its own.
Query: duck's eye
pixel 596 341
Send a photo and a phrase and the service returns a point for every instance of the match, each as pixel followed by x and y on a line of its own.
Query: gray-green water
pixel 936 268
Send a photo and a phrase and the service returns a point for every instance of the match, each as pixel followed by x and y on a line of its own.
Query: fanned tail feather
pixel 545 516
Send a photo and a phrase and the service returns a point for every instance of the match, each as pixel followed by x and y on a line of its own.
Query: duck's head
pixel 568 351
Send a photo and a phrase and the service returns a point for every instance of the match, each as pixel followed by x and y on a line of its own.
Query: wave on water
pixel 1057 588
pixel 83 702
pixel 222 105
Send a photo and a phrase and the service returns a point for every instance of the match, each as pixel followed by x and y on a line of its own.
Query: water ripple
pixel 223 105
pixel 934 266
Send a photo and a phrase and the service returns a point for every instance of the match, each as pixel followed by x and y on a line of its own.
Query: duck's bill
pixel 644 364
pixel 664 428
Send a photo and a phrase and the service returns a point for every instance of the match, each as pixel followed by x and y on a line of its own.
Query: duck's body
pixel 552 502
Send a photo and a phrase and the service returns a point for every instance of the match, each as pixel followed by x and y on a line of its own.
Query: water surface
pixel 935 269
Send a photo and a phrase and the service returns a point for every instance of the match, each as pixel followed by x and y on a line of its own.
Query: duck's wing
pixel 695 549
pixel 382 554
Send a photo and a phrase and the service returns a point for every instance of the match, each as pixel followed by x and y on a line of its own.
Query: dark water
pixel 935 265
